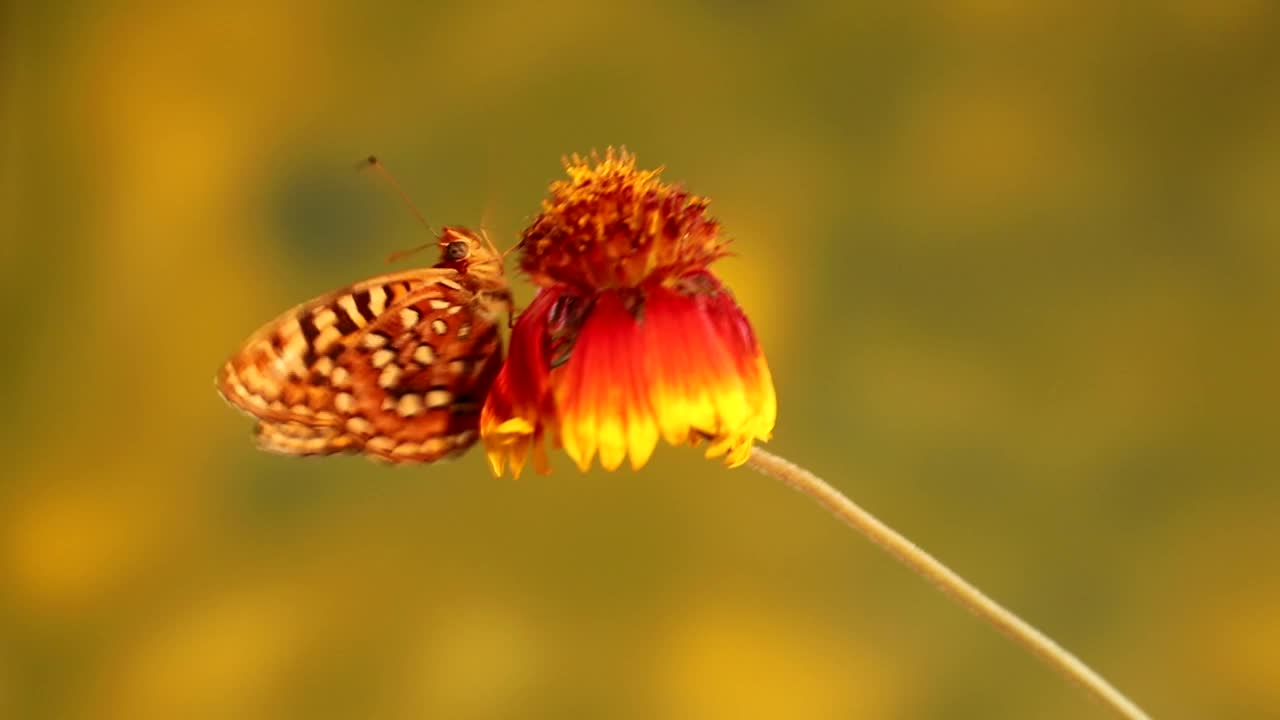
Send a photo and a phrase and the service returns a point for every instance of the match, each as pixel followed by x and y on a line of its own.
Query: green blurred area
pixel 1016 267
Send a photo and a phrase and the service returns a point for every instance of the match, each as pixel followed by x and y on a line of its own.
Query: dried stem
pixel 945 579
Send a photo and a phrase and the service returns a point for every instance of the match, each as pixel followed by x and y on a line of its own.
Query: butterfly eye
pixel 456 250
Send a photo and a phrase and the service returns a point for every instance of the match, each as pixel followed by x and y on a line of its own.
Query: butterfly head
pixel 471 253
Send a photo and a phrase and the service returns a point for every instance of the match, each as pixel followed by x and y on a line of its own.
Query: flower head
pixel 630 337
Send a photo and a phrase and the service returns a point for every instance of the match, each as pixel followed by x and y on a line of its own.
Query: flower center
pixel 613 226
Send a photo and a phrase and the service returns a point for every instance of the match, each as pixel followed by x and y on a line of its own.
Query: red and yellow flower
pixel 630 337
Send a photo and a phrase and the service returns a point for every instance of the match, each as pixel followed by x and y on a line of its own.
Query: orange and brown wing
pixel 281 373
pixel 419 378
pixel 396 367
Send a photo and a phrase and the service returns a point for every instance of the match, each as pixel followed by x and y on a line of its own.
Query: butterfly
pixel 396 367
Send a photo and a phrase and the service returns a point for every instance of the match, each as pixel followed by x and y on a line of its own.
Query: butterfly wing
pixel 281 372
pixel 419 377
pixel 396 366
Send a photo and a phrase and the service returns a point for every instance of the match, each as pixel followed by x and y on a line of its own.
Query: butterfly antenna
pixel 373 163
pixel 376 165
pixel 489 242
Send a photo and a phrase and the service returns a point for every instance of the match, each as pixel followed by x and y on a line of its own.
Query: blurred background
pixel 1016 267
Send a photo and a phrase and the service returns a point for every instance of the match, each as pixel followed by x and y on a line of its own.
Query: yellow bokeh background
pixel 1016 267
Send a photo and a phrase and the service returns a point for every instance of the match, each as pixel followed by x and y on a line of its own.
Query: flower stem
pixel 928 567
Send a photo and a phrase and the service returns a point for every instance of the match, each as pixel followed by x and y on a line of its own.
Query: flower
pixel 630 337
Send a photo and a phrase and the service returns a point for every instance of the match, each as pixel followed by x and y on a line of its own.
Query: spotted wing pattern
pixel 396 367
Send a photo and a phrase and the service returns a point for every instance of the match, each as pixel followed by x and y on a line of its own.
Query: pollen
pixel 610 225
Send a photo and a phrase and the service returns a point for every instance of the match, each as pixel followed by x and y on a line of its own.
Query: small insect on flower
pixel 396 367
pixel 630 337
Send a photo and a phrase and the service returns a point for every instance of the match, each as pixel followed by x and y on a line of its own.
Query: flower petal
pixel 516 411
pixel 678 362
pixel 600 393
pixel 709 379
